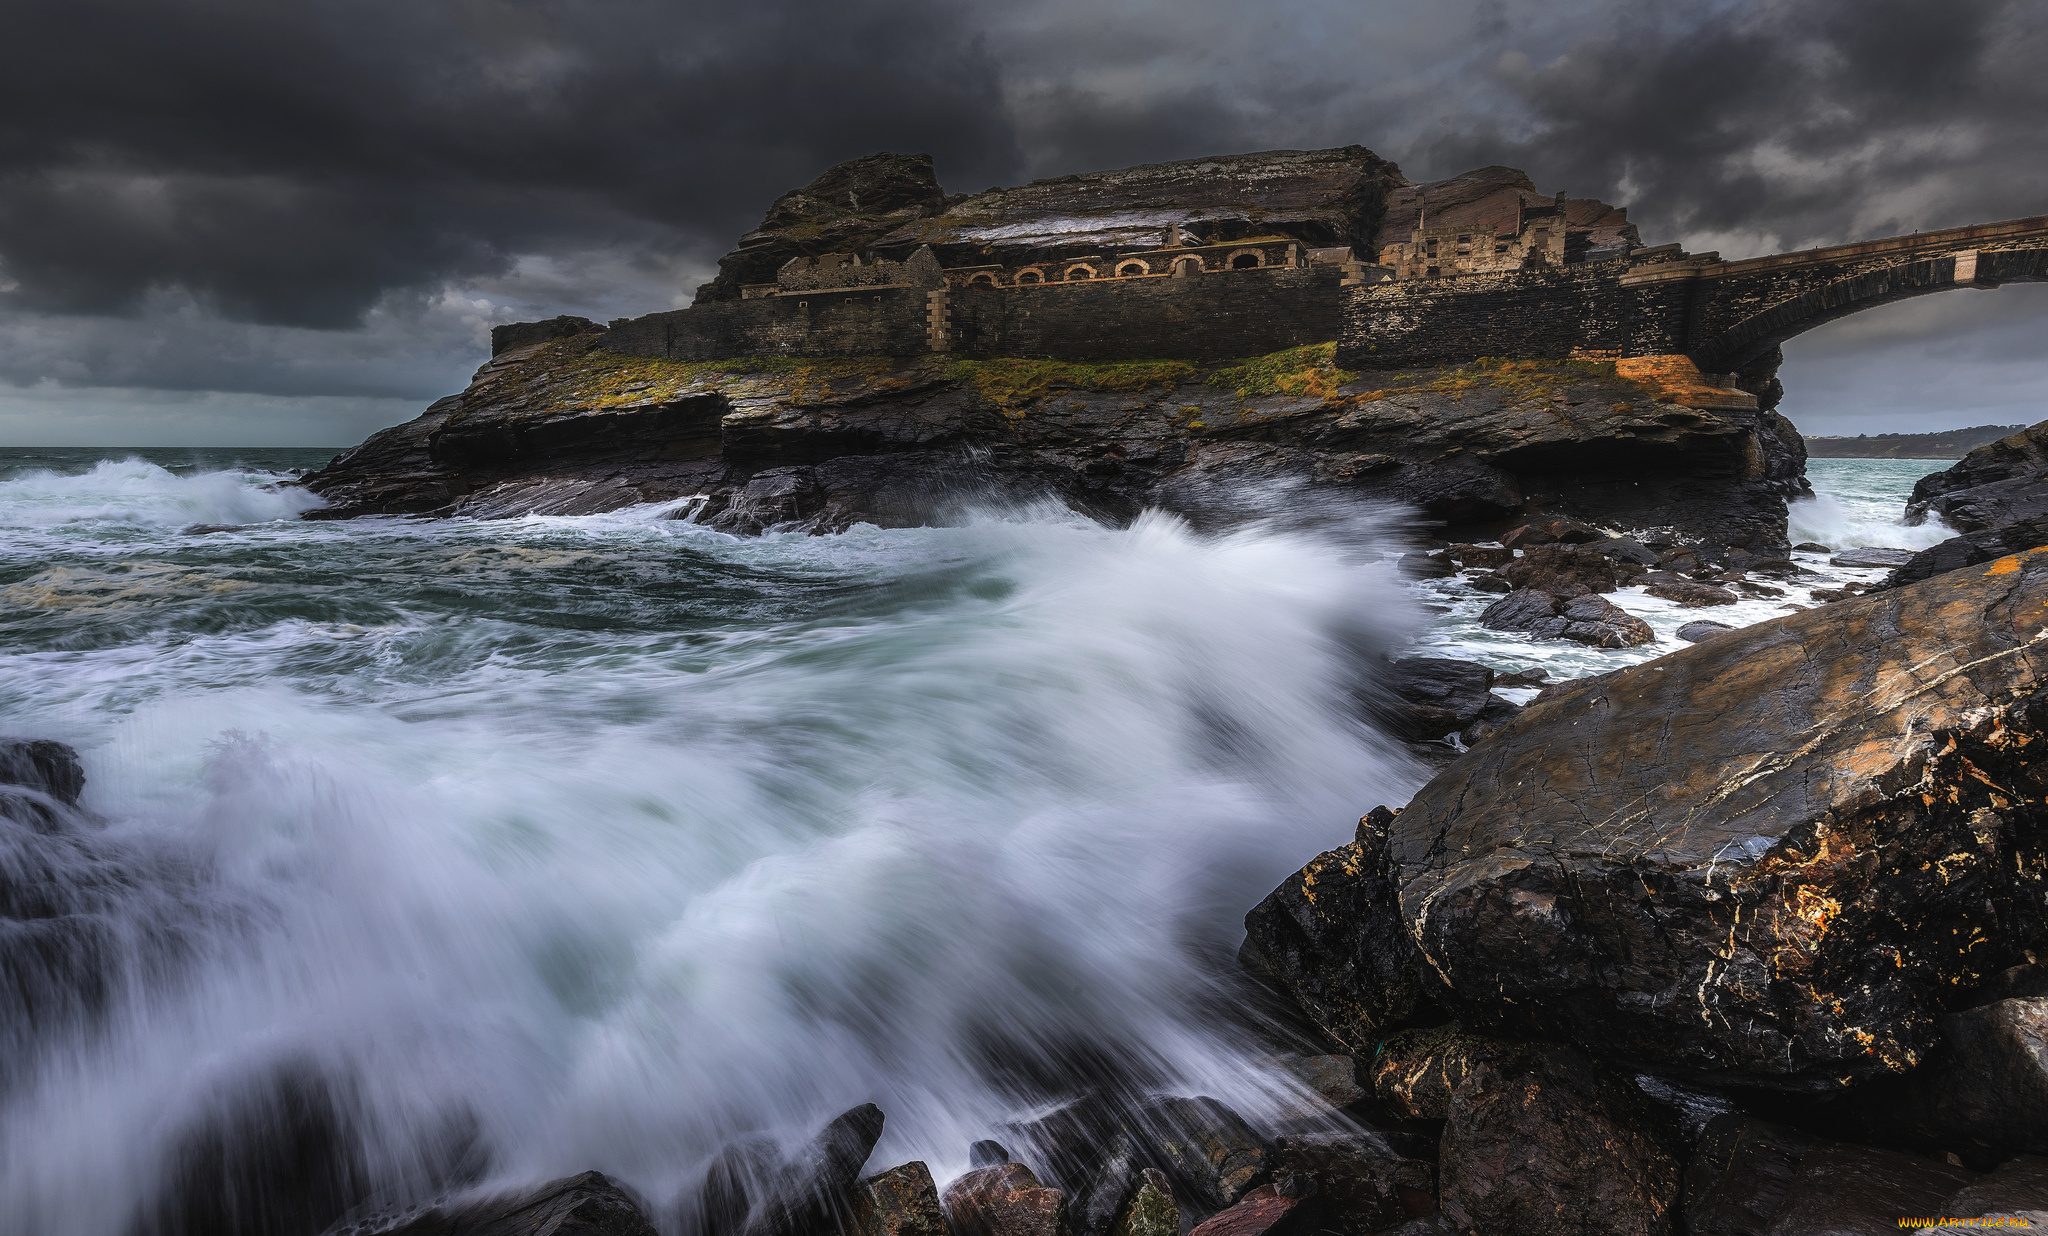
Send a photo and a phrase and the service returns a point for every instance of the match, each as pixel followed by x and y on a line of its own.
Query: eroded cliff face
pixel 565 427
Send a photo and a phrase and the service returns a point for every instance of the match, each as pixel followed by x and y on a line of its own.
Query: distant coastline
pixel 1948 444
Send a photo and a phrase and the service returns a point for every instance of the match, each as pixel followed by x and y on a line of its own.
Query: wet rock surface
pixel 1429 697
pixel 1996 485
pixel 1740 1175
pixel 1005 1201
pixel 1852 1190
pixel 1546 1142
pixel 902 1201
pixel 1970 549
pixel 1587 619
pixel 43 766
pixel 1770 859
pixel 1981 1094
pixel 565 427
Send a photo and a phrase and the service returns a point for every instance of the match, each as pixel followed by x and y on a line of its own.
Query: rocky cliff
pixel 564 426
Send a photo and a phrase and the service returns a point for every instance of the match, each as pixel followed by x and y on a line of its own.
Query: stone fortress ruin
pixel 1234 256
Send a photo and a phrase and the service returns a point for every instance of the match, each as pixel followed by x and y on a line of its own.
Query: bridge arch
pixel 1739 338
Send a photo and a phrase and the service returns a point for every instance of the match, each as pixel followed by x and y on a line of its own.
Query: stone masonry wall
pixel 1522 314
pixel 1201 317
pixel 840 322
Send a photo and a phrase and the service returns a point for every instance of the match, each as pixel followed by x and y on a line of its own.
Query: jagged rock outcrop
pixel 566 427
pixel 1997 484
pixel 845 210
pixel 1771 859
pixel 1970 549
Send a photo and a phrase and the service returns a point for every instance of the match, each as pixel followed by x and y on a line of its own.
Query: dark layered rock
pixel 1208 1149
pixel 1970 549
pixel 590 1204
pixel 46 767
pixel 1005 1201
pixel 1546 1143
pixel 902 1201
pixel 1325 938
pixel 2018 1185
pixel 1429 697
pixel 1871 556
pixel 1415 1072
pixel 1563 571
pixel 1982 1094
pixel 1551 531
pixel 846 210
pixel 750 1187
pixel 566 427
pixel 1689 593
pixel 1995 485
pixel 1770 859
pixel 1588 619
pixel 1740 1175
pixel 1361 1183
pixel 1852 1190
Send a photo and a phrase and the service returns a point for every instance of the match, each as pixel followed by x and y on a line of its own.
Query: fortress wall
pixel 1208 317
pixel 842 322
pixel 1530 314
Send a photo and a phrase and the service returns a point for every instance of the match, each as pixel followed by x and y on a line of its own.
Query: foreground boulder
pixel 1005 1201
pixel 750 1187
pixel 1546 1143
pixel 902 1201
pixel 1769 859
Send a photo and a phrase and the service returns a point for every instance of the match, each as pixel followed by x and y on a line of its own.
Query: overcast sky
pixel 238 222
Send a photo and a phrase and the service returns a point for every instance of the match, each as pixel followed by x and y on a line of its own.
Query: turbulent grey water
pixel 595 842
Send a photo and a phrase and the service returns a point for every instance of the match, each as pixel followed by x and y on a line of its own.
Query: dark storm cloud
pixel 291 164
pixel 1794 124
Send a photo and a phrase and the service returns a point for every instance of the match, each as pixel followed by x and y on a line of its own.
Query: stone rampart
pixel 861 321
pixel 1197 318
pixel 1201 317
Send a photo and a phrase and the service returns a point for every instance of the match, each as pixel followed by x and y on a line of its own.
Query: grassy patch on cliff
pixel 1310 370
pixel 1519 379
pixel 596 378
pixel 1008 384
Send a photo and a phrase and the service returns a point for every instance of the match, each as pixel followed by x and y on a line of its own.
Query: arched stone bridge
pixel 1738 312
pixel 1729 317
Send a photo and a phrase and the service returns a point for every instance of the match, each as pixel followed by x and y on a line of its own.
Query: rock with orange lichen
pixel 1775 858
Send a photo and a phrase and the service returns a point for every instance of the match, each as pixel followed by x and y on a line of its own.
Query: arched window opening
pixel 1030 276
pixel 1080 272
pixel 1129 269
pixel 1246 261
pixel 1187 266
pixel 984 280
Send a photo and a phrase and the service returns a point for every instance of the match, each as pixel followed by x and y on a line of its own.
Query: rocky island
pixel 1747 940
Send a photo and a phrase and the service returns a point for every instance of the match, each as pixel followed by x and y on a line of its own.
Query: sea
pixel 552 843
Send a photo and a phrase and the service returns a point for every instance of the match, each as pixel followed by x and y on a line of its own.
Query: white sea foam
pixel 923 814
pixel 136 492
